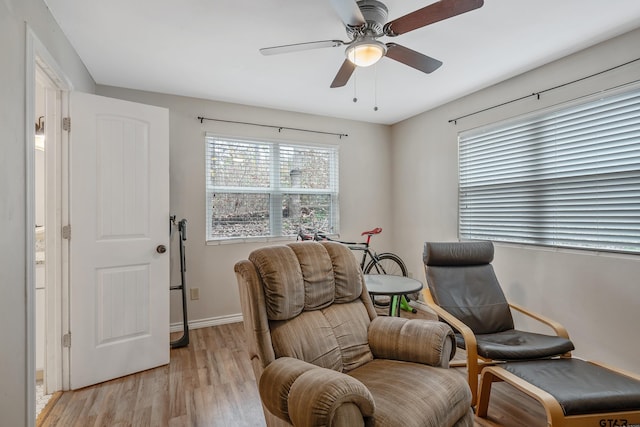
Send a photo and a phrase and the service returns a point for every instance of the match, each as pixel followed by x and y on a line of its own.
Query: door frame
pixel 57 295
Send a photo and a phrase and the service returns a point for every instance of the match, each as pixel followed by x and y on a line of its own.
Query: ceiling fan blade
pixel 344 74
pixel 414 59
pixel 429 14
pixel 349 12
pixel 276 50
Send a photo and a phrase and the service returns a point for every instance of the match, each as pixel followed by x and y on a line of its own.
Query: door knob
pixel 161 249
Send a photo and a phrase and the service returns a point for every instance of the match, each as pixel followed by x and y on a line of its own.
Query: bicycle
pixel 383 263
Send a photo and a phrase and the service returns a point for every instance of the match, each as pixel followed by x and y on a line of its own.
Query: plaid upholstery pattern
pixel 414 395
pixel 301 282
pixel 309 320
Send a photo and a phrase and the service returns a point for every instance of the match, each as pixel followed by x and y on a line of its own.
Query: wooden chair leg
pixel 472 369
pixel 486 382
pixel 555 415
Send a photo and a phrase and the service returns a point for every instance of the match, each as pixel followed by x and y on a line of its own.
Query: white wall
pixel 365 185
pixel 596 296
pixel 13 309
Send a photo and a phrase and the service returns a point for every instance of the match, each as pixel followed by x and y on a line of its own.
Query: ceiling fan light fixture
pixel 365 52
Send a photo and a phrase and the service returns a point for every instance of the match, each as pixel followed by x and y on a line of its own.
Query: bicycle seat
pixel 376 230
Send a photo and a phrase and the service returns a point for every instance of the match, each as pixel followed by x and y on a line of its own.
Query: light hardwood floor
pixel 210 383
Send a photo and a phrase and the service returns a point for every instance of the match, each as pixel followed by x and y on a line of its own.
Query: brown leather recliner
pixel 321 355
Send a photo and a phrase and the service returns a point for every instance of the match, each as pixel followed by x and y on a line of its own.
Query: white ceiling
pixel 209 49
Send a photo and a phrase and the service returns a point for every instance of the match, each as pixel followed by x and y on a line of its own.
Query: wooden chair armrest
pixel 464 330
pixel 559 330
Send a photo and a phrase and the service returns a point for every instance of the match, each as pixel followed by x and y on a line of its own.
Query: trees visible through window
pixel 567 177
pixel 269 189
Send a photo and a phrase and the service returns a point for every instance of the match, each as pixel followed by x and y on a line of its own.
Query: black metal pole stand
pixel 184 339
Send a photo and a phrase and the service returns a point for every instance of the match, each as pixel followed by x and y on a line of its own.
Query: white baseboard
pixel 204 323
pixel 233 318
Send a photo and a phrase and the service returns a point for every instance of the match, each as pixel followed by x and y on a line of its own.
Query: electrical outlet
pixel 194 293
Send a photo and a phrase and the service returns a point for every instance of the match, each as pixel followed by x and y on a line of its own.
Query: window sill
pixel 243 240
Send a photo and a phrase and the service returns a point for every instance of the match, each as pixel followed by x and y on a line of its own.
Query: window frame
pixel 588 242
pixel 275 191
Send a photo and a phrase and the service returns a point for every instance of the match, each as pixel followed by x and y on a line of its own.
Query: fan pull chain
pixel 355 85
pixel 375 88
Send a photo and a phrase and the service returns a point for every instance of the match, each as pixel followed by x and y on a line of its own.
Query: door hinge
pixel 66 124
pixel 66 340
pixel 66 232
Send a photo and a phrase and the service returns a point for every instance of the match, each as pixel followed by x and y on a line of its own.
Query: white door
pixel 119 216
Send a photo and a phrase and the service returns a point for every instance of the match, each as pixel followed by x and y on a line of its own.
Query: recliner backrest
pixel 462 281
pixel 313 296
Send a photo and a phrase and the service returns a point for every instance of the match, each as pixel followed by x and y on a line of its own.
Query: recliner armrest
pixel 304 394
pixel 429 342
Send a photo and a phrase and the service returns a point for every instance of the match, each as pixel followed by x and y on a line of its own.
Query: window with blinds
pixel 565 178
pixel 269 189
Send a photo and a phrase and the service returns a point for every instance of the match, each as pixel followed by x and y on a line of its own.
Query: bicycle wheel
pixel 386 263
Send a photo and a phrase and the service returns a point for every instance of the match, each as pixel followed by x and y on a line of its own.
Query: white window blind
pixel 269 189
pixel 566 178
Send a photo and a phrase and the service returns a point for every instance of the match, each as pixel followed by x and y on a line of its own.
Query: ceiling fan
pixel 365 22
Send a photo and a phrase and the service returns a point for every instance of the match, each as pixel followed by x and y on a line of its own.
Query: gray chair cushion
pixel 580 387
pixel 462 281
pixel 518 345
pixel 454 253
